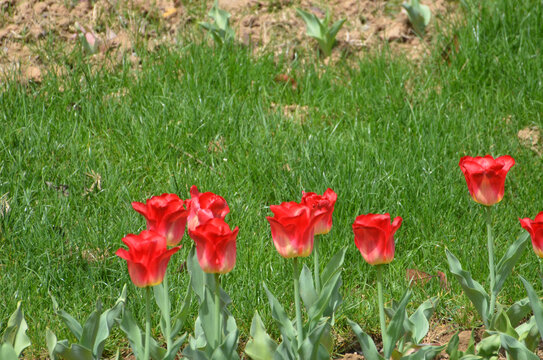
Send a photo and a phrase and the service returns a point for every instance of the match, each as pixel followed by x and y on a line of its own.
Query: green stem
pixel 218 309
pixel 490 244
pixel 381 304
pixel 147 347
pixel 299 324
pixel 316 265
pixel 167 318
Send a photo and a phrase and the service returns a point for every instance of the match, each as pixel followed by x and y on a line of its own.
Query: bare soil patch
pixel 33 31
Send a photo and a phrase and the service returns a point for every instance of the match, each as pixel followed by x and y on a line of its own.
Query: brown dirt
pixel 34 32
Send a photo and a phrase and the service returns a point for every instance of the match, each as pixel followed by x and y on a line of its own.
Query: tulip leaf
pixel 229 346
pixel 106 322
pixel 317 310
pixel 51 340
pixel 319 30
pixel 90 328
pixel 518 311
pixel 452 348
pixel 15 333
pixel 516 349
pixel 473 290
pixel 419 15
pixel 220 30
pixel 420 318
pixel 171 354
pixel 279 314
pixel 133 333
pixel 508 261
pixel 528 334
pixel 489 346
pixel 71 323
pixel 260 346
pixel 366 342
pixel 424 353
pixel 7 352
pixel 208 317
pixel 68 351
pixel 180 317
pixel 307 288
pixel 536 305
pixel 333 266
pixel 503 325
pixel 396 328
pixel 311 347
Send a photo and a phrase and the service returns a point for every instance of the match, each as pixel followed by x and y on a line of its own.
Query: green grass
pixel 386 135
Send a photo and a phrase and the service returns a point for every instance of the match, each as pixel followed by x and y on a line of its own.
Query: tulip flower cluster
pixel 148 253
pixel 296 228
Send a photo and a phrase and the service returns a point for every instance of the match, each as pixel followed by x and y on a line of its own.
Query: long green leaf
pixel 307 288
pixel 508 261
pixel 279 314
pixel 260 346
pixel 334 265
pixel 107 320
pixel 516 349
pixel 72 324
pixel 396 328
pixel 133 333
pixel 7 352
pixel 473 290
pixel 535 303
pixel 366 342
pixel 15 333
pixel 420 318
pixel 518 311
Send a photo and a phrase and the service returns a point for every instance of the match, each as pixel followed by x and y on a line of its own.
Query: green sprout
pixel 419 15
pixel 318 29
pixel 220 30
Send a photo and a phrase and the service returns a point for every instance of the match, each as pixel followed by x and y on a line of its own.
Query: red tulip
pixel 147 257
pixel 374 237
pixel 204 207
pixel 215 246
pixel 535 228
pixel 166 215
pixel 321 204
pixel 293 228
pixel 485 177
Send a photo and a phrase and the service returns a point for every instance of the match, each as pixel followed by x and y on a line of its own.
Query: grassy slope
pixel 386 136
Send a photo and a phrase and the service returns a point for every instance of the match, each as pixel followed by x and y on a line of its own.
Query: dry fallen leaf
pixel 96 183
pixel 284 78
pixel 62 189
pixel 418 277
pixel 4 205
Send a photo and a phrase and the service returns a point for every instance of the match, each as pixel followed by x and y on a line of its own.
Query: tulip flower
pixel 485 177
pixel 293 228
pixel 535 228
pixel 374 237
pixel 204 207
pixel 215 246
pixel 321 204
pixel 147 257
pixel 166 215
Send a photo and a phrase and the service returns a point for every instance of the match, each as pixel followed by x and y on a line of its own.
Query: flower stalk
pixel 316 265
pixel 167 317
pixel 218 309
pixel 147 322
pixel 299 325
pixel 490 245
pixel 380 299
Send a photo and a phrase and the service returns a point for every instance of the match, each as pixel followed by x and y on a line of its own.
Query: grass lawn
pixel 386 135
